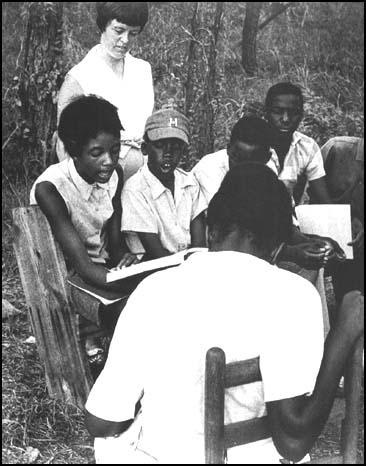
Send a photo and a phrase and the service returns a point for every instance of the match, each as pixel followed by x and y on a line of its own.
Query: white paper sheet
pixel 332 220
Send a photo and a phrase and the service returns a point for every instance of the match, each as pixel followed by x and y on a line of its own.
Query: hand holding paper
pixel 329 220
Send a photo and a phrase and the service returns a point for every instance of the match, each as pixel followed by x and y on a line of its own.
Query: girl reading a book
pixel 81 196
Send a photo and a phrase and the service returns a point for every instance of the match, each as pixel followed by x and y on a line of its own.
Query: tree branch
pixel 274 15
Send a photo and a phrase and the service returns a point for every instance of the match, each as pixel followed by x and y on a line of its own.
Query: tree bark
pixel 40 79
pixel 278 11
pixel 249 41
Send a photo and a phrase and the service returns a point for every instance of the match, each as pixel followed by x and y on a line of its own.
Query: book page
pixel 154 264
pixel 332 220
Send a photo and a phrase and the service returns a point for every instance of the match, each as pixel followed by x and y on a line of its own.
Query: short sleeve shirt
pixel 211 170
pixel 165 357
pixel 303 157
pixel 149 207
pixel 89 205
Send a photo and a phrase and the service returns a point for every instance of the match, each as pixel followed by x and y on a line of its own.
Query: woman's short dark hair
pixel 252 130
pixel 129 13
pixel 252 199
pixel 83 119
pixel 284 88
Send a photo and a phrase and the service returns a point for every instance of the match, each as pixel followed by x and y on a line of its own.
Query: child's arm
pixel 198 231
pixel 297 422
pixel 152 245
pixel 117 247
pixel 53 206
pixel 319 191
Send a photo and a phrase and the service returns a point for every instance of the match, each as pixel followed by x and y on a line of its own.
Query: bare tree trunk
pixel 211 89
pixel 40 79
pixel 249 41
pixel 191 62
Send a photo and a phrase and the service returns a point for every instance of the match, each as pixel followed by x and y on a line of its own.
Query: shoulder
pixel 50 180
pixel 135 183
pixel 138 63
pixel 210 161
pixel 294 286
pixel 305 140
pixel 186 178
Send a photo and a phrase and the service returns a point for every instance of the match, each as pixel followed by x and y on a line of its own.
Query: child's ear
pixel 144 148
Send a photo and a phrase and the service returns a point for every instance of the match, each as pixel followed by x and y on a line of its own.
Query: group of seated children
pixel 100 223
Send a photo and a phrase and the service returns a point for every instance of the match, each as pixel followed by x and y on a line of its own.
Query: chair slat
pixel 242 372
pixel 240 433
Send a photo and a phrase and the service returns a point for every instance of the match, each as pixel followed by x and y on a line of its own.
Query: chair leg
pixel 352 389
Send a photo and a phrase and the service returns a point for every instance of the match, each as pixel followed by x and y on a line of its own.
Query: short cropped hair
pixel 252 199
pixel 83 119
pixel 252 130
pixel 129 13
pixel 284 88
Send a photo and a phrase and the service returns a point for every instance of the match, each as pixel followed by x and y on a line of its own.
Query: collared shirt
pixel 149 207
pixel 303 157
pixel 212 299
pixel 212 168
pixel 89 205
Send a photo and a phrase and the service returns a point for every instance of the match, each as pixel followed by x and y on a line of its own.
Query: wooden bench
pixel 54 315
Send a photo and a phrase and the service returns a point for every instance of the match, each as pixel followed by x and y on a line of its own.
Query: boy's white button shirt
pixel 149 207
pixel 212 168
pixel 174 317
pixel 303 157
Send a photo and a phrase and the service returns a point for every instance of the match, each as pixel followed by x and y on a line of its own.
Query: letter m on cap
pixel 173 122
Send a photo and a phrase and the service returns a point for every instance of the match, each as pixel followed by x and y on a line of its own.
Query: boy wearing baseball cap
pixel 163 208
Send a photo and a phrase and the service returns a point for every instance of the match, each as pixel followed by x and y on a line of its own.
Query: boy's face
pixel 164 156
pixel 285 113
pixel 240 152
pixel 98 158
pixel 118 38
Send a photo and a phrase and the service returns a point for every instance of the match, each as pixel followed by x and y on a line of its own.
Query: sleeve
pixel 137 214
pixel 290 358
pixel 315 167
pixel 120 384
pixel 199 201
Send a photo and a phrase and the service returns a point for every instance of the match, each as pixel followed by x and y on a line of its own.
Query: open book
pixel 152 265
pixel 331 220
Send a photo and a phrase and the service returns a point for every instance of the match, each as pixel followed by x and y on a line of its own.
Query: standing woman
pixel 111 72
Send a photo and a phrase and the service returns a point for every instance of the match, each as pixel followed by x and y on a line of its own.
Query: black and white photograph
pixel 183 232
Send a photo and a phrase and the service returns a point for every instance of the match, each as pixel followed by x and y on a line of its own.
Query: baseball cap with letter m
pixel 167 123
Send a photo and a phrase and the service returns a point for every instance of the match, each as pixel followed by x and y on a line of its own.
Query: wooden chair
pixel 54 315
pixel 219 437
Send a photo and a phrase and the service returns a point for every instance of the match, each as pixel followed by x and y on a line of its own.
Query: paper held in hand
pixel 151 265
pixel 331 220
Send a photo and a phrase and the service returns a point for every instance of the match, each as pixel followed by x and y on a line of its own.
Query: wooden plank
pixel 214 406
pixel 352 392
pixel 240 433
pixel 43 272
pixel 242 372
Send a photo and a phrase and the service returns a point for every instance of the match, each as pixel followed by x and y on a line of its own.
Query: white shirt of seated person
pixel 159 347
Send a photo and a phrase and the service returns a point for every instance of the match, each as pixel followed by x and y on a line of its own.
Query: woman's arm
pixel 297 422
pixel 70 89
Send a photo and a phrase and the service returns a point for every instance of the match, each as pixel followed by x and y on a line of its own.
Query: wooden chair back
pixel 54 324
pixel 220 376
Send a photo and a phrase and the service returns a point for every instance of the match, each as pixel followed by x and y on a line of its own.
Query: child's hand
pixel 351 315
pixel 358 233
pixel 127 260
pixel 311 255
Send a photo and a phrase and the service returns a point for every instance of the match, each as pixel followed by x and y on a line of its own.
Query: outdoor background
pixel 196 53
